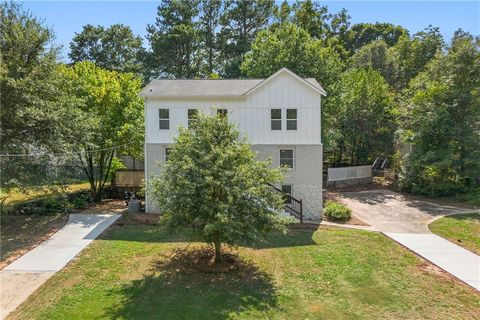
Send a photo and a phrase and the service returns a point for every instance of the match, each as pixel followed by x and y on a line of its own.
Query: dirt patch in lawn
pixel 109 206
pixel 202 259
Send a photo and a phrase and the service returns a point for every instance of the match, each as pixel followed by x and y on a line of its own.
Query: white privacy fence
pixel 348 173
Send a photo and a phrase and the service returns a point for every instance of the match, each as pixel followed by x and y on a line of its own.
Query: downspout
pixel 145 154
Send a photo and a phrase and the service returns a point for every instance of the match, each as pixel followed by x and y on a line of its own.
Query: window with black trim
pixel 291 119
pixel 287 188
pixel 286 158
pixel 192 116
pixel 166 153
pixel 222 112
pixel 276 119
pixel 164 119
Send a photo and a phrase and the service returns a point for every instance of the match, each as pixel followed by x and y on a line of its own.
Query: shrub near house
pixel 337 211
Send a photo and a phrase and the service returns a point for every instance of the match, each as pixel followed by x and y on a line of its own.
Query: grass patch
pixel 17 195
pixel 131 273
pixel 461 229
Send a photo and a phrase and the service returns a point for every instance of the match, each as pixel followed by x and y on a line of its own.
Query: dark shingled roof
pixel 210 88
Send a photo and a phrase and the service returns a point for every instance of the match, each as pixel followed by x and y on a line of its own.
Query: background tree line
pixel 384 84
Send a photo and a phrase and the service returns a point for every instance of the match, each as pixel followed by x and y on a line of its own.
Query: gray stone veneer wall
pixel 306 176
pixel 349 182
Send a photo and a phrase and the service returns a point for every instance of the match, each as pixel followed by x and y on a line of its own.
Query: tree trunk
pixel 218 251
pixel 97 176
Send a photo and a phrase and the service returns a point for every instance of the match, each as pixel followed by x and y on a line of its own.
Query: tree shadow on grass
pixel 297 235
pixel 470 216
pixel 185 285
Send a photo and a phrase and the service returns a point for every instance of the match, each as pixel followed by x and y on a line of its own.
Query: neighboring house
pixel 279 115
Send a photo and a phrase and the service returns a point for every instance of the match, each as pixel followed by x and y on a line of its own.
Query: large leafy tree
pixel 31 96
pixel 107 119
pixel 283 12
pixel 444 121
pixel 174 40
pixel 290 46
pixel 365 120
pixel 113 48
pixel 361 34
pixel 413 54
pixel 376 55
pixel 312 17
pixel 213 185
pixel 240 23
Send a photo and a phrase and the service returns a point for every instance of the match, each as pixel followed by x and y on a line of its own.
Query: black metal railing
pixel 293 205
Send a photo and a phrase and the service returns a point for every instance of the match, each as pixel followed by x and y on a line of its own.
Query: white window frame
pixel 193 120
pixel 291 187
pixel 293 119
pixel 293 156
pixel 276 120
pixel 163 119
pixel 165 153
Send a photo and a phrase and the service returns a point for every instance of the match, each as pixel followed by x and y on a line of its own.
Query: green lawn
pixel 461 229
pixel 327 274
pixel 17 195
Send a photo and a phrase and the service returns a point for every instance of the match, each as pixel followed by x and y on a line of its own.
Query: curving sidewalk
pixel 457 261
pixel 405 220
pixel 26 274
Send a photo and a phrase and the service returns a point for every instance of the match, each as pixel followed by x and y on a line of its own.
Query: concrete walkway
pixel 405 220
pixel 459 262
pixel 26 274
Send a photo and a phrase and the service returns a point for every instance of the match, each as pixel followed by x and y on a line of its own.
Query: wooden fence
pixel 129 178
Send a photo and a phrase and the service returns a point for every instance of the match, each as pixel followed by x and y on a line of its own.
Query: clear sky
pixel 68 17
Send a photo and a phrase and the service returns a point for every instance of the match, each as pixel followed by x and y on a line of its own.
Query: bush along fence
pixel 65 202
pixel 55 203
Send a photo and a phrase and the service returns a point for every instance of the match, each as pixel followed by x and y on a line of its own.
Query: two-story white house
pixel 280 116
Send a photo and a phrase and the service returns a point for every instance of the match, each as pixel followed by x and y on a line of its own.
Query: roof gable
pixel 310 82
pixel 217 88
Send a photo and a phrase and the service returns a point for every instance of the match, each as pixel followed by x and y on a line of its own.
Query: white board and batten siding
pixel 349 173
pixel 251 112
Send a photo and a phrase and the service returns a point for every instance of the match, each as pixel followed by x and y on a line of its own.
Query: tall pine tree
pixel 241 22
pixel 210 13
pixel 174 40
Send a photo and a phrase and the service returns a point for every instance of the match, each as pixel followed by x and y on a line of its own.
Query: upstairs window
pixel 192 116
pixel 291 119
pixel 286 158
pixel 276 119
pixel 222 112
pixel 164 119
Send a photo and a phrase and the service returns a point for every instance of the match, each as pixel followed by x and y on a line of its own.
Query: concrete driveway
pixel 390 211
